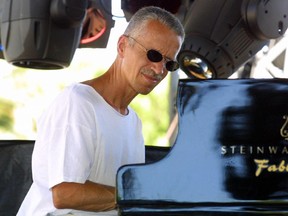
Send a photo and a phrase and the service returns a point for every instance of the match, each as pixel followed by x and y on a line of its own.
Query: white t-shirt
pixel 80 137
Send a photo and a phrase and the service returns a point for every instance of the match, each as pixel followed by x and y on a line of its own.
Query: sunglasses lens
pixel 172 65
pixel 154 56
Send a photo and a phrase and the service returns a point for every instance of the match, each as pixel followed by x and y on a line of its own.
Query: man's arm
pixel 89 196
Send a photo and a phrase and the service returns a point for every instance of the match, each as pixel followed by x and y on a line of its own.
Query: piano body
pixel 230 156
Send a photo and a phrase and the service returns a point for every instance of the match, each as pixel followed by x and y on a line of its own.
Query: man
pixel 89 131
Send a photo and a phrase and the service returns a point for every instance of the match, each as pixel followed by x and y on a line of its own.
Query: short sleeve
pixel 68 130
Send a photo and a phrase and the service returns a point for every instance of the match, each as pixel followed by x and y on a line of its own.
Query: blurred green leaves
pixel 24 93
pixel 6 115
pixel 153 110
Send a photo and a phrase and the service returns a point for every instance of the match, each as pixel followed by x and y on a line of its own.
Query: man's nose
pixel 159 67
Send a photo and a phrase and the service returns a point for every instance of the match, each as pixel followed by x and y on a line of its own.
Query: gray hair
pixel 146 14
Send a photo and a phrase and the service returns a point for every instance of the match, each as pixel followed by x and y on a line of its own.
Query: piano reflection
pixel 230 156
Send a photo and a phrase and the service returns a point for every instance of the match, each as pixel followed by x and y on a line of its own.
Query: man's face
pixel 143 74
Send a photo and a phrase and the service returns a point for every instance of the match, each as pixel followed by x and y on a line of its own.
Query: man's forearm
pixel 87 197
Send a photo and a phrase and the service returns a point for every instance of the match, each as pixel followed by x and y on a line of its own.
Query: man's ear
pixel 121 45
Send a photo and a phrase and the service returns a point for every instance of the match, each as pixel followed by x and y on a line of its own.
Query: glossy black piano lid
pixel 230 156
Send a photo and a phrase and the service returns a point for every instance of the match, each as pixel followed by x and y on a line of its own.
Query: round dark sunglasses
pixel 156 56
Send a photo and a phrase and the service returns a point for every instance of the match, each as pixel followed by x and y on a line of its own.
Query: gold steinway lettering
pixel 261 164
pixel 264 165
pixel 285 150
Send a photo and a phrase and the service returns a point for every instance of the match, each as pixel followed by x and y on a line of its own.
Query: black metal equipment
pixel 222 35
pixel 94 33
pixel 42 34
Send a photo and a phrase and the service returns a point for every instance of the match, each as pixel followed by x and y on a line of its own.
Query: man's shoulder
pixel 79 91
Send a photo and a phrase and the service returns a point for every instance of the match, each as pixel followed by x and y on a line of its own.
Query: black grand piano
pixel 230 156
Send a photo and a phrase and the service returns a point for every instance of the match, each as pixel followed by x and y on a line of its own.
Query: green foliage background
pixel 153 110
pixel 24 93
